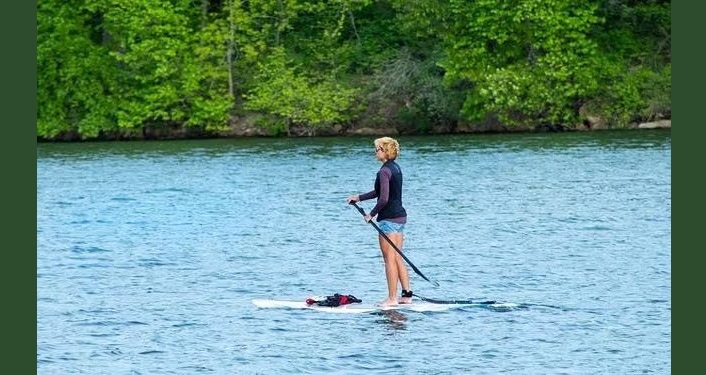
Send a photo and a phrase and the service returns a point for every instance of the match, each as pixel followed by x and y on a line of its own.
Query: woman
pixel 391 218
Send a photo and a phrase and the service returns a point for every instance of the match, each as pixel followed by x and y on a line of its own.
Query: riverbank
pixel 243 128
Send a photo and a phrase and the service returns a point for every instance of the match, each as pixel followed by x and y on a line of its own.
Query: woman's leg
pixel 402 273
pixel 389 255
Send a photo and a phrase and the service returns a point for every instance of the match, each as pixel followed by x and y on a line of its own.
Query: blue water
pixel 149 254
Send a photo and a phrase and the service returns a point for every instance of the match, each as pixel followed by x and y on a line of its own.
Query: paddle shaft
pixel 416 270
pixel 453 301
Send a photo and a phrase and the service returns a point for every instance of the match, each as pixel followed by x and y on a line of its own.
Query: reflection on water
pixel 393 319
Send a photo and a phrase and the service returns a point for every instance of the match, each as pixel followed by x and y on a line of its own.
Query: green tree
pixel 120 66
pixel 635 74
pixel 76 79
pixel 301 100
pixel 112 65
pixel 530 61
pixel 163 78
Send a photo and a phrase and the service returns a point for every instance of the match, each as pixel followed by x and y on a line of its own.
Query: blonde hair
pixel 389 146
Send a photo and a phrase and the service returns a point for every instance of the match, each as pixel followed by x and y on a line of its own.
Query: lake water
pixel 150 253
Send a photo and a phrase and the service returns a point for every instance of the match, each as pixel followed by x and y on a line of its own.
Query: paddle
pixel 453 301
pixel 362 212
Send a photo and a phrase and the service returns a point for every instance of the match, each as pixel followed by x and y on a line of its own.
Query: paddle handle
pixel 362 212
pixel 416 270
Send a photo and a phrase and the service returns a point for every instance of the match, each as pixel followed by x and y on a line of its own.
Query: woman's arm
pixel 384 174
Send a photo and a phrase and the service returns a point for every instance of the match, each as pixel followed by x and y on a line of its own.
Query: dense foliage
pixel 120 66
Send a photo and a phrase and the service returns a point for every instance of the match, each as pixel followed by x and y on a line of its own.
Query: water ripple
pixel 149 254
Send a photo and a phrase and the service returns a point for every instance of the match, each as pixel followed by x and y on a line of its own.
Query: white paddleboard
pixel 354 308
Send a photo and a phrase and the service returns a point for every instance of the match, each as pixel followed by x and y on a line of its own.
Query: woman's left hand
pixel 368 218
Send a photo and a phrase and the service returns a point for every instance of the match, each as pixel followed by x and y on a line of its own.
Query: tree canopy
pixel 118 66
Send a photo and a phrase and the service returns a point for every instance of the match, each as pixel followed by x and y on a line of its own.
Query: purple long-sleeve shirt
pixel 384 174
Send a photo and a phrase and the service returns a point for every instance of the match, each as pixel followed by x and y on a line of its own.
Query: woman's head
pixel 387 148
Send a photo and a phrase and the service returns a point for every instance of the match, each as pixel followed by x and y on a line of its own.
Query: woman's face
pixel 379 153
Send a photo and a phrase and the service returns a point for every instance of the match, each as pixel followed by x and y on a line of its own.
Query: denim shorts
pixel 388 227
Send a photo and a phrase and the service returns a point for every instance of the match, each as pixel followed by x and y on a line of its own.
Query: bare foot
pixel 404 300
pixel 388 302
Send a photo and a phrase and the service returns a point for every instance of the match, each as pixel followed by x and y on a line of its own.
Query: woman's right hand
pixel 353 199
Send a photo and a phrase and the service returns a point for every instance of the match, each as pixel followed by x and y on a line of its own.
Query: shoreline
pixel 244 131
